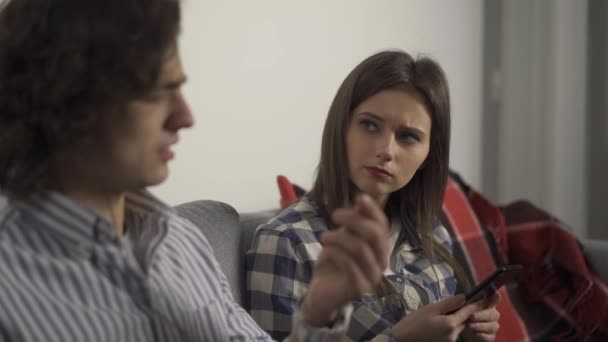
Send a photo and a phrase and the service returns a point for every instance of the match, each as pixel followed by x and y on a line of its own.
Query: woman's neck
pixel 381 200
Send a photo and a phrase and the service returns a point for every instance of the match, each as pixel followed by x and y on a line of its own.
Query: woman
pixel 387 135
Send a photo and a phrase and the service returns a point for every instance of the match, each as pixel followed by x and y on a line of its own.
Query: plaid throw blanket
pixel 559 296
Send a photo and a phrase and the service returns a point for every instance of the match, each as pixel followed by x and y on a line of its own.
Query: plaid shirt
pixel 280 266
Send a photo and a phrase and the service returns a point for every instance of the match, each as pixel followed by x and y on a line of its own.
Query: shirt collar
pixel 80 227
pixel 411 241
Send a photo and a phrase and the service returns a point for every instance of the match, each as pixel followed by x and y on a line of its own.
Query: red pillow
pixel 481 248
pixel 286 191
pixel 289 192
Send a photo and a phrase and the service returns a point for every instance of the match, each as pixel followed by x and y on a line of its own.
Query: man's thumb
pixel 447 305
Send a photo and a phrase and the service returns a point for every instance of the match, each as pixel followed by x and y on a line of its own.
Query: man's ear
pixel 63 134
pixel 90 125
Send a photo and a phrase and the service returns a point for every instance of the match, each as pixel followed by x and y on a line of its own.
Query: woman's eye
pixel 408 138
pixel 368 125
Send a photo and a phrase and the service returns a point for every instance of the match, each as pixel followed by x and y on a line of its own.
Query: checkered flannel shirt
pixel 280 265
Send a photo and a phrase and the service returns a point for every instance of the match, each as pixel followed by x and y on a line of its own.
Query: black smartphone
pixel 503 275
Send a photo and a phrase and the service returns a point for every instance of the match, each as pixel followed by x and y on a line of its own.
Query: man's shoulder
pixel 187 232
pixel 11 222
pixel 6 211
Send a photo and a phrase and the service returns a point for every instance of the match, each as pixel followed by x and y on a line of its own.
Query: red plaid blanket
pixel 559 296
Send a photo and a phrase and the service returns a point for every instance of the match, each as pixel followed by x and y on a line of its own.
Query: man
pixel 90 107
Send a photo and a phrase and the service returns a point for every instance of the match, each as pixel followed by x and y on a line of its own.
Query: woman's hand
pixel 432 323
pixel 483 325
pixel 352 261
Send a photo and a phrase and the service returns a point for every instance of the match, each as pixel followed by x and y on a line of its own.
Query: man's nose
pixel 181 116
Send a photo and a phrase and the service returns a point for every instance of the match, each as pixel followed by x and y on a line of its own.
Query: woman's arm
pixel 276 281
pixel 349 265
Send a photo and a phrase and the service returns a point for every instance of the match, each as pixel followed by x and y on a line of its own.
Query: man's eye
pixel 154 96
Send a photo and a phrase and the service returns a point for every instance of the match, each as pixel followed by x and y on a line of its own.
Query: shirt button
pixel 399 279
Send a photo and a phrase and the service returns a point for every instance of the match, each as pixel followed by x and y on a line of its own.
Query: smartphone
pixel 503 275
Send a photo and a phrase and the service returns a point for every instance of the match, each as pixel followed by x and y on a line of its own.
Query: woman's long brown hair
pixel 418 204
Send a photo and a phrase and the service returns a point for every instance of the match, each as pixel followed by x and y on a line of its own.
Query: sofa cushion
pixel 478 250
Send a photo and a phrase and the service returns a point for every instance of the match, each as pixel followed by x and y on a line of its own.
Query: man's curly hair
pixel 62 62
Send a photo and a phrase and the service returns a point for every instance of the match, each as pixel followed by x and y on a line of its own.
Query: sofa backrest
pixel 219 223
pixel 229 235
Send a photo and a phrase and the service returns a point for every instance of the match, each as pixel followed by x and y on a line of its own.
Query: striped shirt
pixel 280 265
pixel 65 275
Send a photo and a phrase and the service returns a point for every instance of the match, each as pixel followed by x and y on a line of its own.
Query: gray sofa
pixel 230 235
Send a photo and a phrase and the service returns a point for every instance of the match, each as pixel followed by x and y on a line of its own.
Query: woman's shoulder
pixel 302 218
pixel 441 234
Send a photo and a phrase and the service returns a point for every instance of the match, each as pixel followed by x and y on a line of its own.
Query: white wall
pixel 569 193
pixel 262 76
pixel 542 123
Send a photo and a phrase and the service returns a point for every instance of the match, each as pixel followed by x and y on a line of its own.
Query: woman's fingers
pixel 492 301
pixel 365 222
pixel 484 327
pixel 359 252
pixel 465 312
pixel 486 315
pixel 362 278
pixel 370 209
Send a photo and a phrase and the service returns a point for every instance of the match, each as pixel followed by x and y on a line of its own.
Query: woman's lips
pixel 378 172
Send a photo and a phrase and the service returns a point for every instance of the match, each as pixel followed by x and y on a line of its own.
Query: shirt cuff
pixel 336 332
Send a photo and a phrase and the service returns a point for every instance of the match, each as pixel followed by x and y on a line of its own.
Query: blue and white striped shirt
pixel 65 275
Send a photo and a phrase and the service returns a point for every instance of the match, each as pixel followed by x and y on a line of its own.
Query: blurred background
pixel 262 76
pixel 528 81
